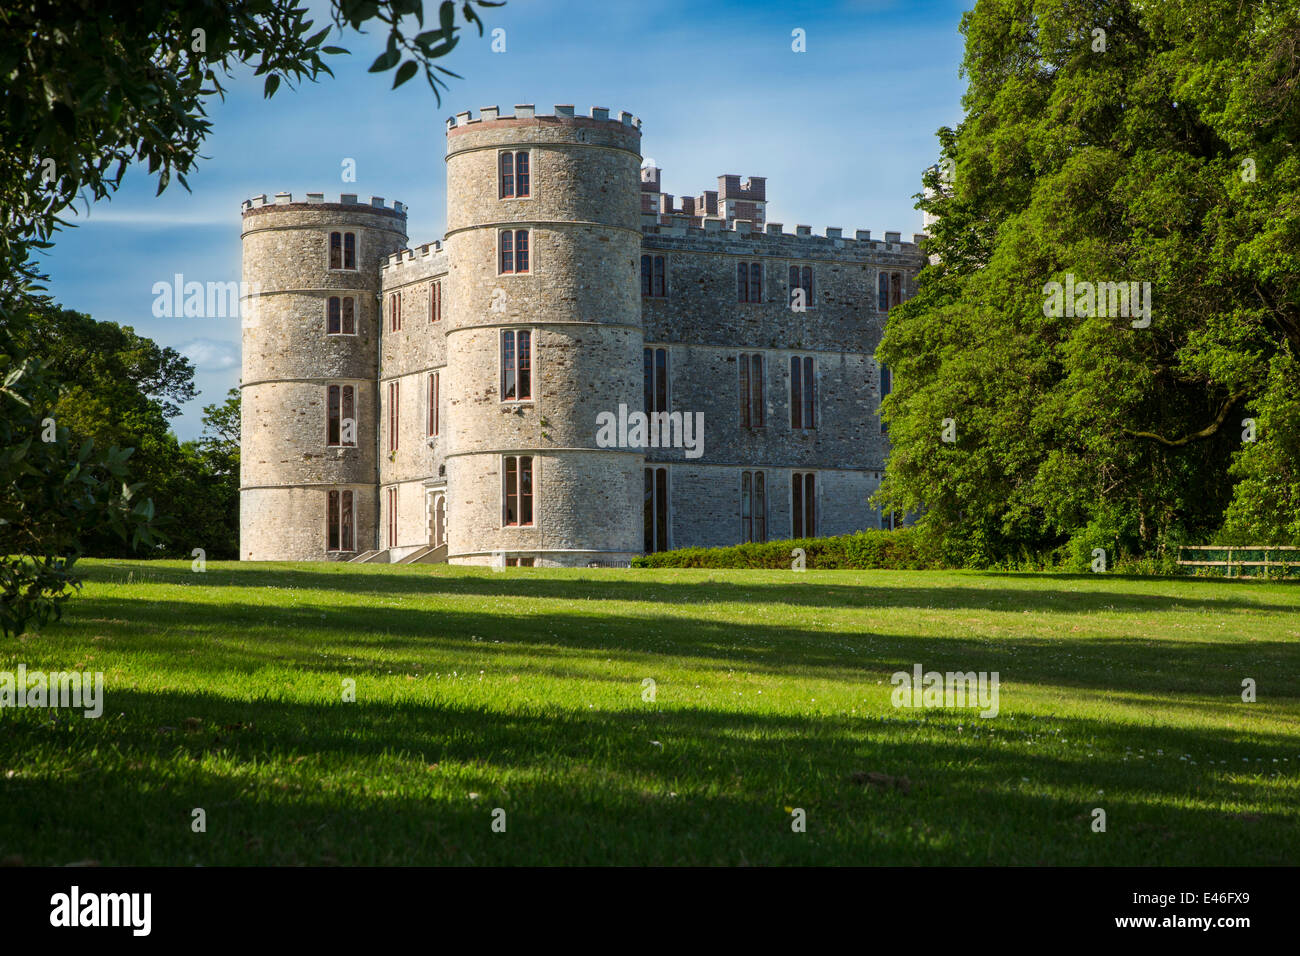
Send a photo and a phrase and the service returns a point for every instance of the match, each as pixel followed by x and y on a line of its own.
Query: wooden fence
pixel 1243 558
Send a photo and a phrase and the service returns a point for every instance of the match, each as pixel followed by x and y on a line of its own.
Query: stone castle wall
pixel 289 362
pixel 581 299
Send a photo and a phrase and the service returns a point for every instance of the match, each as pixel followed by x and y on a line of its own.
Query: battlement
pixel 527 111
pixel 679 226
pixel 348 201
pixel 753 189
pixel 402 256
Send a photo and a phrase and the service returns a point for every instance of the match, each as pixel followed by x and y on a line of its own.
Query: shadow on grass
pixel 1076 593
pixel 296 783
pixel 352 639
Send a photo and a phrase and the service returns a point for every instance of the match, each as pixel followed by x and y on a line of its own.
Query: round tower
pixel 544 241
pixel 310 306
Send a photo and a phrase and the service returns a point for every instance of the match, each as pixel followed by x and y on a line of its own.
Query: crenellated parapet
pixel 527 112
pixel 401 256
pixel 349 202
pixel 773 240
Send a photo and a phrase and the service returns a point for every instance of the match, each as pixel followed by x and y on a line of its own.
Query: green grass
pixel 522 689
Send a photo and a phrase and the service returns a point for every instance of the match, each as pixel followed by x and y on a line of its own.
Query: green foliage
pixel 1266 506
pixel 93 86
pixel 865 549
pixel 1128 164
pixel 118 388
pixel 54 492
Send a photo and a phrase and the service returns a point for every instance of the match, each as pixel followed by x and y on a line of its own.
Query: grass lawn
pixel 522 689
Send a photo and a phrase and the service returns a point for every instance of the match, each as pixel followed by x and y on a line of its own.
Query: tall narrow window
pixel 334 415
pixel 803 504
pixel 394 420
pixel 521 250
pixel 890 290
pixel 751 390
pixel 341 416
pixel 435 301
pixel 749 282
pixel 395 312
pixel 753 506
pixel 521 175
pixel 656 509
pixel 656 380
pixel 516 366
pixel 336 250
pixel 392 517
pixel 803 392
pixel 348 438
pixel 340 533
pixel 518 491
pixel 507 175
pixel 348 535
pixel 801 277
pixel 349 250
pixel 434 389
pixel 432 427
pixel 349 315
pixel 654 276
pixel 332 521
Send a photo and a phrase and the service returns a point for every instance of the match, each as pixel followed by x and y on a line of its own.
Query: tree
pixel 221 432
pixel 119 388
pixel 54 492
pixel 1265 506
pixel 212 503
pixel 92 86
pixel 1103 141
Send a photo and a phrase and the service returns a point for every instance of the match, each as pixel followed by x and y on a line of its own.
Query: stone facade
pixel 599 234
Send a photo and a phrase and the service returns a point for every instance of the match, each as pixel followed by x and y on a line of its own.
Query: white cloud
pixel 210 355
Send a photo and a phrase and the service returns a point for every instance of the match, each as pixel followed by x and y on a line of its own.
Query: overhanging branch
pixel 1205 432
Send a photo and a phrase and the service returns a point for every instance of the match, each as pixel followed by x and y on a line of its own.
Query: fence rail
pixel 1288 558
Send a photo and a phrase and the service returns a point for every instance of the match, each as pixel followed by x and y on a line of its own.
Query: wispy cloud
pixel 210 355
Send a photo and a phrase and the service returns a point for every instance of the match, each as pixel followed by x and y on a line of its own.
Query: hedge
pixel 866 549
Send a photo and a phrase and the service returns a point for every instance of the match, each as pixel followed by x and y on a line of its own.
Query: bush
pixel 901 549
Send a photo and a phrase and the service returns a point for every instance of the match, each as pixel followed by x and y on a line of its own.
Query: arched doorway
pixel 437 518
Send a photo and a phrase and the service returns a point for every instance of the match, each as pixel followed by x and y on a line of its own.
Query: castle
pixel 484 399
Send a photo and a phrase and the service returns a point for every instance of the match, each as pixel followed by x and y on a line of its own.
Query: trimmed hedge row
pixel 866 549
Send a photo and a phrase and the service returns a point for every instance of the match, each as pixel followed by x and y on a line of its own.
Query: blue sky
pixel 842 133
